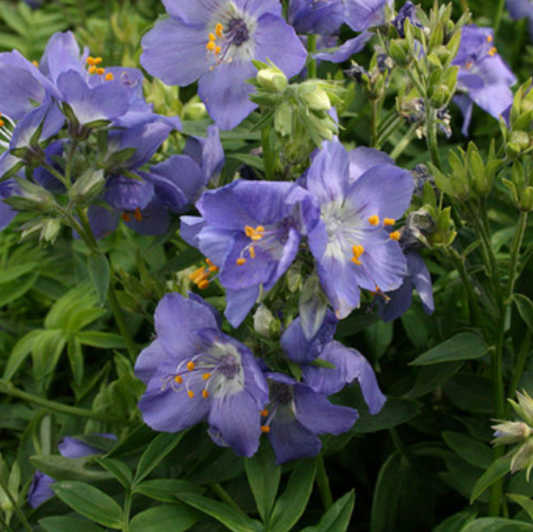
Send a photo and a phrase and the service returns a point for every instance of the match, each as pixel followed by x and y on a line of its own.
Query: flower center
pixel 271 240
pixel 94 68
pixel 237 32
pixel 200 277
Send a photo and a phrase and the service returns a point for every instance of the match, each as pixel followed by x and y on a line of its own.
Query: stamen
pixel 373 220
pixel 212 37
pixel 109 77
pixel 218 49
pixel 126 217
pixel 211 46
pixel 200 277
pixel 389 221
pixel 206 376
pixel 178 379
pixel 489 38
pixel 493 51
pixel 2 123
pixel 219 29
pixel 92 70
pixel 35 63
pixel 137 212
pixel 191 365
pixel 264 412
pixel 357 251
pixel 100 71
pixel 190 393
pixel 252 252
pixel 265 429
pixel 202 285
pixel 205 394
pixel 395 235
pixel 241 261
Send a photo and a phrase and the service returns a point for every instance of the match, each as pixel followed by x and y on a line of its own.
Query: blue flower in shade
pixel 250 231
pixel 296 415
pixel 194 372
pixel 215 41
pixel 407 11
pixel 360 15
pixel 39 490
pixel 484 77
pixel 322 17
pixel 361 194
pixel 393 304
pixel 522 9
pixel 350 364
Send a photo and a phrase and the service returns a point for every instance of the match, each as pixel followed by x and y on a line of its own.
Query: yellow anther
pixel 196 275
pixel 260 229
pixel 373 220
pixel 191 365
pixel 252 252
pixel 213 268
pixel 137 214
pixel 357 251
pixel 92 70
pixel 493 51
pixel 126 217
pixel 395 235
pixel 218 49
pixel 97 60
pixel 219 29
pixel 212 37
pixel 202 285
pixel 265 429
pixel 264 412
pixel 206 376
pixel 205 394
pixel 100 71
pixel 109 77
pixel 35 63
pixel 489 38
pixel 469 65
pixel 241 261
pixel 2 123
pixel 211 46
pixel 208 262
pixel 389 221
pixel 190 393
pixel 248 231
pixel 90 60
pixel 178 379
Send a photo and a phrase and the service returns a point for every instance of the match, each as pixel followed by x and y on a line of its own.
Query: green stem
pixel 406 140
pixel 515 252
pixel 224 496
pixel 56 174
pixel 498 16
pixel 311 48
pixel 4 526
pixel 68 170
pixel 388 131
pixel 16 509
pixel 8 389
pixel 520 364
pixel 464 5
pixel 374 122
pixel 431 135
pixel 322 481
pixel 268 154
pixel 121 322
pixel 127 511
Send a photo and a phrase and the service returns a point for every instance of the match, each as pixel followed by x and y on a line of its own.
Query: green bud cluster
pixel 518 137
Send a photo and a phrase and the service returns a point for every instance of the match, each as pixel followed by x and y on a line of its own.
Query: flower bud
pixel 526 200
pixel 510 432
pixel 399 51
pixel 523 458
pixel 524 407
pixel 519 142
pixel 272 79
pixel 32 198
pixel 87 187
pixel 263 319
pixel 316 99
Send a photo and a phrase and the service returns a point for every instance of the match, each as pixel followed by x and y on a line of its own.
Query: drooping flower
pixel 251 231
pixel 361 195
pixel 215 41
pixel 194 372
pixel 39 490
pixel 484 77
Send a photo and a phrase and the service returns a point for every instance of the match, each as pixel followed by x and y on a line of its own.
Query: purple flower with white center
pixel 484 77
pixel 194 372
pixel 215 41
pixel 350 364
pixel 251 231
pixel 361 194
pixel 296 415
pixel 39 490
pixel 393 304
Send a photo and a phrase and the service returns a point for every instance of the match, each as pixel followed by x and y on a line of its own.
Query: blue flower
pixel 361 194
pixel 251 231
pixel 39 490
pixel 522 9
pixel 215 41
pixel 407 11
pixel 484 77
pixel 296 415
pixel 194 372
pixel 322 17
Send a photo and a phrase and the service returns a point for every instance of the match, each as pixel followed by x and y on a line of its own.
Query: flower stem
pixel 515 251
pixel 121 322
pixel 16 508
pixel 268 154
pixel 374 115
pixel 406 140
pixel 311 48
pixel 127 511
pixel 322 481
pixel 498 16
pixel 8 389
pixel 431 135
pixel 520 364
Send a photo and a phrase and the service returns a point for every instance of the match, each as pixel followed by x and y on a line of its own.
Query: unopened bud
pixel 87 187
pixel 32 198
pixel 524 407
pixel 523 458
pixel 519 141
pixel 526 200
pixel 316 98
pixel 272 79
pixel 510 432
pixel 263 318
pixel 399 51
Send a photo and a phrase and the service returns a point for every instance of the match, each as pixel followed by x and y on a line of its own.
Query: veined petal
pixel 149 360
pixel 344 52
pixel 363 159
pixel 239 303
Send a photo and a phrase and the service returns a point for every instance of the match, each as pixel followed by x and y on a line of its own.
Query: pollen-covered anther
pixel 493 51
pixel 254 234
pixel 91 61
pixel 357 251
pixel 218 49
pixel 264 412
pixel 373 220
pixel 241 261
pixel 93 69
pixel 35 64
pixel 137 214
pixel 190 393
pixel 202 285
pixel 100 71
pixel 191 365
pixel 211 46
pixel 212 37
pixel 219 29
pixel 109 77
pixel 395 235
pixel 178 379
pixel 206 376
pixel 389 221
pixel 489 38
pixel 126 216
pixel 2 123
pixel 200 276
pixel 265 429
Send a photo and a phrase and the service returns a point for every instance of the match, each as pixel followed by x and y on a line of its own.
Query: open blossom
pixel 194 372
pixel 39 490
pixel 250 231
pixel 215 41
pixel 484 78
pixel 361 195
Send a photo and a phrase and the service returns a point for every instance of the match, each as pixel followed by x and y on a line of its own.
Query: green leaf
pixel 292 503
pixel 387 494
pixel 100 274
pixel 68 524
pixel 14 291
pixel 170 518
pixel 431 377
pixel 20 352
pixel 395 412
pixel 263 476
pixel 497 524
pixel 457 522
pixel 525 502
pixel 118 469
pixel 166 489
pixel 337 518
pixel 462 346
pixel 103 340
pixel 249 160
pixel 234 520
pixel 471 393
pixel 525 309
pixel 160 447
pixel 90 502
pixel 62 468
pixel 474 452
pixel 495 472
